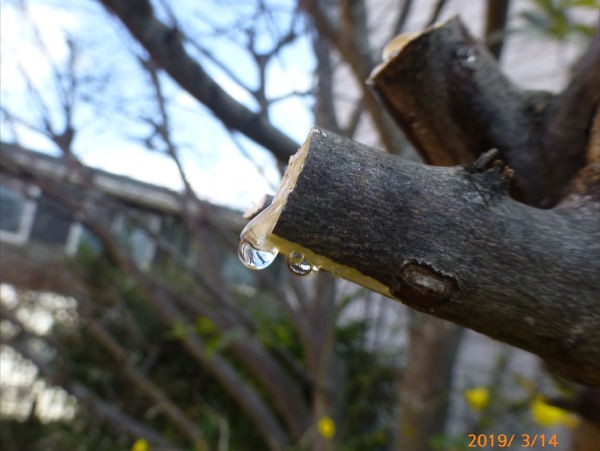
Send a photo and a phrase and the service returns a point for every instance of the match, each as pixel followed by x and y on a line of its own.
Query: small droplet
pixel 254 258
pixel 299 265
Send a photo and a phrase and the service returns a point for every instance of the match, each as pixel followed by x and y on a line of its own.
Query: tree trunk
pixel 427 383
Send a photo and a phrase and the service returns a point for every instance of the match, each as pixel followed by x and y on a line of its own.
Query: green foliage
pixel 81 434
pixel 369 393
pixel 445 443
pixel 553 19
pixel 156 350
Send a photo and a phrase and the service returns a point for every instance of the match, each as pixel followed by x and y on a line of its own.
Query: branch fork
pixel 452 241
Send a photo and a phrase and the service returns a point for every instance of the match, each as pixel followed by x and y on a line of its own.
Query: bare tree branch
pixel 350 128
pixel 352 44
pixel 450 242
pixel 403 15
pixel 163 127
pixel 185 424
pixel 569 123
pixel 83 394
pixel 447 91
pixel 495 23
pixel 166 48
pixel 272 432
pixel 426 382
pixel 165 304
pixel 436 11
pixel 325 113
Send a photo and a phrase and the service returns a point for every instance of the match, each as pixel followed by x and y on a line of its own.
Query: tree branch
pixel 569 125
pixel 166 48
pixel 280 388
pixel 165 304
pixel 436 11
pixel 427 380
pixel 85 396
pixel 353 46
pixel 449 242
pixel 447 92
pixel 182 421
pixel 403 14
pixel 495 21
pixel 243 392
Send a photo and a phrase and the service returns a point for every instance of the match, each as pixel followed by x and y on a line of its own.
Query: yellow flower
pixel 545 414
pixel 140 444
pixel 478 397
pixel 326 427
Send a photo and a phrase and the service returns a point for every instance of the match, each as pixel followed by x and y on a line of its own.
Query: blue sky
pixel 109 131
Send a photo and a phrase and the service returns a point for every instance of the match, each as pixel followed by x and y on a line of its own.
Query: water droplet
pixel 299 265
pixel 254 258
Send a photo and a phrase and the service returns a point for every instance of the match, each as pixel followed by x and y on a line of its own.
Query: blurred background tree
pixel 164 340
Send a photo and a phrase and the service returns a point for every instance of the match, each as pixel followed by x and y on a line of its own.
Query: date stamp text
pixel 509 440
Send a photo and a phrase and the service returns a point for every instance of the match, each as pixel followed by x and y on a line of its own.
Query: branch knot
pixel 422 286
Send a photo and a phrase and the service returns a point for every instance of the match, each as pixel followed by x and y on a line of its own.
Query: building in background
pixel 38 235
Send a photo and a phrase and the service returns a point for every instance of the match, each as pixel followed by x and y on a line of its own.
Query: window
pixel 131 232
pixel 16 212
pixel 52 222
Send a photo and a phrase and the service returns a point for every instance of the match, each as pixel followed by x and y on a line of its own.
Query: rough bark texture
pixel 447 92
pixel 451 242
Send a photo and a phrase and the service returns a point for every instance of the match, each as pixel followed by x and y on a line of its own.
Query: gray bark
pixel 448 94
pixel 451 242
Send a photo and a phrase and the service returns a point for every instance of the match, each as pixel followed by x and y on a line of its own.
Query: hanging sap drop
pixel 299 265
pixel 254 258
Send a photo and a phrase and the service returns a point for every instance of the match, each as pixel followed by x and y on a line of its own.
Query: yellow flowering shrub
pixel 326 427
pixel 140 444
pixel 478 397
pixel 548 415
